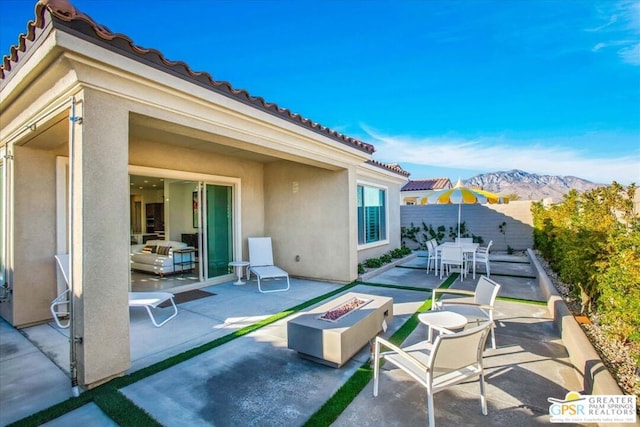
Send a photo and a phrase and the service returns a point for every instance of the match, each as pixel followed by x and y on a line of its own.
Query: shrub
pixel 397 253
pixel 592 240
pixel 421 235
pixel 373 263
pixel 386 258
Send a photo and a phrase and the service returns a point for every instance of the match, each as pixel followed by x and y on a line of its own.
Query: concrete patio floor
pixel 256 380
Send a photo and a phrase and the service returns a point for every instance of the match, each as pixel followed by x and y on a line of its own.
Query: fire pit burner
pixel 343 309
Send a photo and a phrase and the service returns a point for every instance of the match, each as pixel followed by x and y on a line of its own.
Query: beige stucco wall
pixel 171 157
pixel 34 280
pixel 295 184
pixel 101 237
pixel 306 214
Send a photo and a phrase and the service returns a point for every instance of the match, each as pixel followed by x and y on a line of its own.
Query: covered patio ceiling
pixel 157 130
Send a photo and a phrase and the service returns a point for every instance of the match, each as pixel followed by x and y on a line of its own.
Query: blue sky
pixel 444 88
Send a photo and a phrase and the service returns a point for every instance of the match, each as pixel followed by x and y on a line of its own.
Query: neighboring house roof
pixel 393 167
pixel 67 17
pixel 427 184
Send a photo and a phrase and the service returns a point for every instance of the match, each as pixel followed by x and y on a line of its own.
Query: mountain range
pixel 529 186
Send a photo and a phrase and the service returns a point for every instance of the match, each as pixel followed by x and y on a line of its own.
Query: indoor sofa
pixel 157 256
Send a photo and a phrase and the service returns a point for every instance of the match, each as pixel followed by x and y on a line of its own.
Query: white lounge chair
pixel 261 263
pixel 151 300
pixel 450 360
pixel 148 300
pixel 60 305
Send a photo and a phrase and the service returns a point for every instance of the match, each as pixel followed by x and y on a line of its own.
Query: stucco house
pixel 414 190
pixel 104 143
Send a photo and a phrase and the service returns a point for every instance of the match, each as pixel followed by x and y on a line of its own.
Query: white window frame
pixel 382 241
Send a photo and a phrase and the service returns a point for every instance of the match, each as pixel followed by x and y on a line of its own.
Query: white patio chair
pixel 148 300
pixel 450 360
pixel 482 256
pixel 452 256
pixel 478 309
pixel 432 246
pixel 261 263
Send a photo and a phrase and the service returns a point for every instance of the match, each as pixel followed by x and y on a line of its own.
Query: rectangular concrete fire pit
pixel 333 332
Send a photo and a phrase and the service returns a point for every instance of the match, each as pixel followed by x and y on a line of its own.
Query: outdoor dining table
pixel 467 248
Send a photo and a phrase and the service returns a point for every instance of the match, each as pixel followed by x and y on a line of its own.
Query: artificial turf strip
pixel 384 285
pixel 73 403
pixel 88 396
pixel 123 411
pixel 332 408
pixel 523 301
pixel 54 411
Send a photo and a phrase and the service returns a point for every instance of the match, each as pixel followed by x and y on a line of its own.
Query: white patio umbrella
pixel 460 195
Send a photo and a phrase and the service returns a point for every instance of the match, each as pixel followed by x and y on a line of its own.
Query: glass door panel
pixel 219 226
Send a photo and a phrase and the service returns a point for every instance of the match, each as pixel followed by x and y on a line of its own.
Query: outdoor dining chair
pixel 452 256
pixel 450 360
pixel 482 256
pixel 432 247
pixel 476 306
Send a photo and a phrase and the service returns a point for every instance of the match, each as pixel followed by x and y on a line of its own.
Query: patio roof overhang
pixel 66 45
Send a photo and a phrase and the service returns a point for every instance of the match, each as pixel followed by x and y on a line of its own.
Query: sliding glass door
pixel 218 223
pixel 194 212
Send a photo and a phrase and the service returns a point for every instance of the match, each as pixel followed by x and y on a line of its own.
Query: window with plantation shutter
pixel 371 215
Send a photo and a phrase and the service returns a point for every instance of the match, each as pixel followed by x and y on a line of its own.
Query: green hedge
pixel 592 241
pixel 384 259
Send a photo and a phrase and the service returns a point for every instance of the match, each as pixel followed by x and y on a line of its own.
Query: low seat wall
pixel 596 377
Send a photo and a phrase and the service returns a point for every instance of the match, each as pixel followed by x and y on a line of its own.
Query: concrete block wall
pixel 481 220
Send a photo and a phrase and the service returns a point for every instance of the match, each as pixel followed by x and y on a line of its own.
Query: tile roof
pixel 68 18
pixel 393 167
pixel 427 184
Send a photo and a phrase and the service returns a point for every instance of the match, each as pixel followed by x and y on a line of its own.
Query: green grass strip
pixel 123 411
pixel 523 301
pixel 406 288
pixel 88 396
pixel 332 408
pixel 55 411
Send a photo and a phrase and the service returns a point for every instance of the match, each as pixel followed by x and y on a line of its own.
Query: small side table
pixel 238 266
pixel 445 322
pixel 186 261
